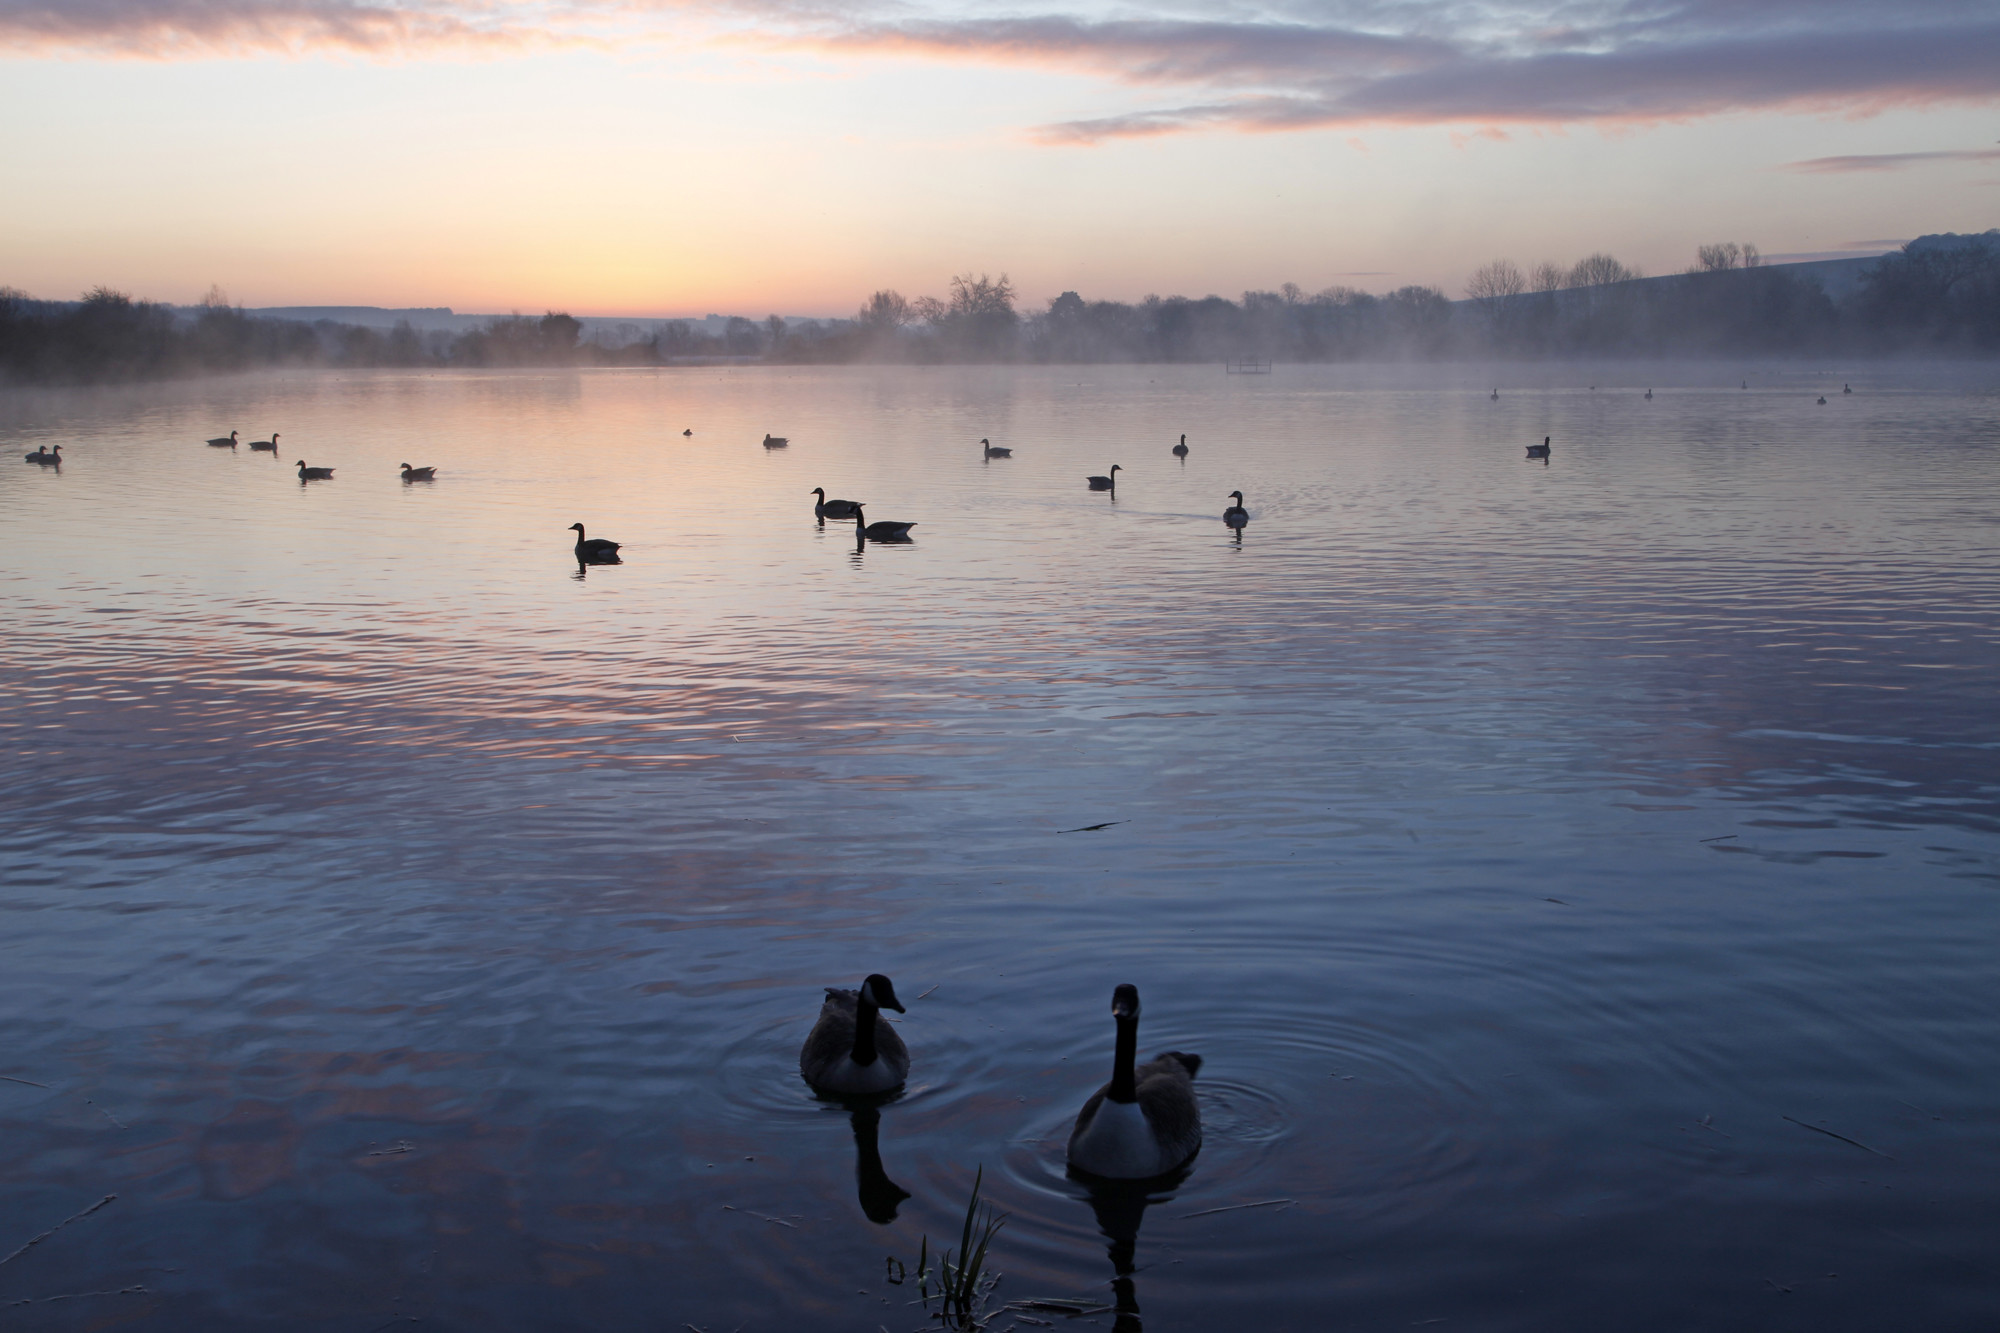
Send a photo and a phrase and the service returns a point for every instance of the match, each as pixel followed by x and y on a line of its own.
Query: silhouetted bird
pixel 1539 450
pixel 269 446
pixel 222 442
pixel 419 473
pixel 314 473
pixel 885 531
pixel 1104 483
pixel 824 508
pixel 1236 516
pixel 852 1050
pixel 775 441
pixel 1144 1122
pixel 45 456
pixel 1180 450
pixel 593 550
pixel 991 452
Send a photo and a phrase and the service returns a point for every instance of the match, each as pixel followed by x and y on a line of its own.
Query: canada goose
pixel 852 1050
pixel 775 441
pixel 1495 395
pixel 269 446
pixel 1746 384
pixel 314 473
pixel 1847 388
pixel 1180 450
pixel 885 531
pixel 824 508
pixel 1649 395
pixel 45 456
pixel 687 432
pixel 1539 450
pixel 593 550
pixel 1236 516
pixel 1144 1122
pixel 224 442
pixel 1104 483
pixel 1822 400
pixel 992 452
pixel 419 473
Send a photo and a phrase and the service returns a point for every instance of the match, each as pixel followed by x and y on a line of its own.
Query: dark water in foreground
pixel 1540 857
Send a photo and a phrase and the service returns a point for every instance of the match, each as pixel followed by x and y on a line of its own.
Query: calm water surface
pixel 408 926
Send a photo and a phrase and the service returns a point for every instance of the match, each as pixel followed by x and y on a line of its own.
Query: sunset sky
pixel 675 157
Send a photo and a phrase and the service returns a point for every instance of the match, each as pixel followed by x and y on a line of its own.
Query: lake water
pixel 1581 880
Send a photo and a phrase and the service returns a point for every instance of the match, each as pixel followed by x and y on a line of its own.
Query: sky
pixel 677 157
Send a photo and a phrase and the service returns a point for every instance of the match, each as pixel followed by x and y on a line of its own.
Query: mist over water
pixel 409 924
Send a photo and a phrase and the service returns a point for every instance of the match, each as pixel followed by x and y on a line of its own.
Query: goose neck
pixel 864 1030
pixel 1124 1082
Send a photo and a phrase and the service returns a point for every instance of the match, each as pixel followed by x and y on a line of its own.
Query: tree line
pixel 1937 295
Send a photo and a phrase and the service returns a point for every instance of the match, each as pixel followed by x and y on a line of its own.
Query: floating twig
pixel 1704 1122
pixel 1779 1285
pixel 28 1081
pixel 1914 1107
pixel 402 1145
pixel 106 1114
pixel 1092 828
pixel 1842 1137
pixel 761 1217
pixel 79 1295
pixel 1557 901
pixel 1727 837
pixel 76 1217
pixel 1235 1207
pixel 926 993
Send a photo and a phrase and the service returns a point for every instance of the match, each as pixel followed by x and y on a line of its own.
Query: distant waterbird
pixel 1539 450
pixel 45 456
pixel 594 550
pixel 852 1050
pixel 1845 388
pixel 824 508
pixel 687 432
pixel 1105 483
pixel 1822 400
pixel 419 473
pixel 1495 395
pixel 884 531
pixel 1649 395
pixel 989 450
pixel 1145 1122
pixel 1236 516
pixel 1181 450
pixel 314 473
pixel 223 441
pixel 775 441
pixel 269 446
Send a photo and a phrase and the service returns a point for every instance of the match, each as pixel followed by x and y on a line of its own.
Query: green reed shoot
pixel 962 1285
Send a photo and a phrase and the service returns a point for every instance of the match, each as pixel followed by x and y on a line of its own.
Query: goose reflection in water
pixel 1120 1207
pixel 879 1195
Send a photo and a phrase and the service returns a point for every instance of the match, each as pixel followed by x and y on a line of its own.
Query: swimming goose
pixel 1236 516
pixel 45 455
pixel 775 441
pixel 1495 395
pixel 224 442
pixel 1822 400
pixel 992 452
pixel 1104 483
pixel 1847 388
pixel 687 432
pixel 419 473
pixel 1180 450
pixel 1649 395
pixel 885 531
pixel 269 446
pixel 1539 450
pixel 1144 1122
pixel 852 1050
pixel 594 550
pixel 314 473
pixel 824 508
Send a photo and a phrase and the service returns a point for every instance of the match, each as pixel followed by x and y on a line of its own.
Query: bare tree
pixel 1600 270
pixel 884 311
pixel 1494 284
pixel 1718 258
pixel 1549 276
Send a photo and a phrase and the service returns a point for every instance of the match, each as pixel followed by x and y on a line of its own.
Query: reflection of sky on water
pixel 342 820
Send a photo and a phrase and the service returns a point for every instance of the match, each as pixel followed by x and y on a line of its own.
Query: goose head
pixel 878 992
pixel 1125 1003
pixel 1236 496
pixel 820 491
pixel 1114 468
